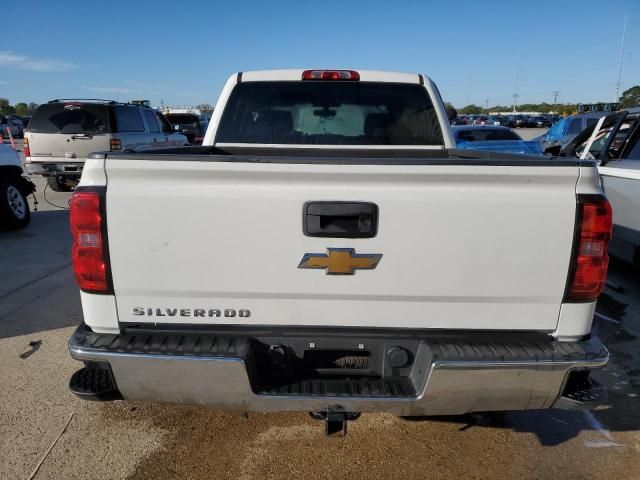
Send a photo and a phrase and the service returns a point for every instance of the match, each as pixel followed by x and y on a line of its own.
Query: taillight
pixel 27 151
pixel 330 75
pixel 590 260
pixel 115 144
pixel 88 251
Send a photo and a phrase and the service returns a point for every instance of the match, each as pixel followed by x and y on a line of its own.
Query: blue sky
pixel 181 52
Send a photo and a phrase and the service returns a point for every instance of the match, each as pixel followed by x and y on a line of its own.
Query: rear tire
pixel 56 185
pixel 14 207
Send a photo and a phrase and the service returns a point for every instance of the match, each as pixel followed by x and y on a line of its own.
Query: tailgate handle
pixel 340 219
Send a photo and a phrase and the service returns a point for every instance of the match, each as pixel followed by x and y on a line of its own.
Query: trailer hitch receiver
pixel 335 422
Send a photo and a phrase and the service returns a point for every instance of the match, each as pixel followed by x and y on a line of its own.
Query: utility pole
pixel 486 105
pixel 555 100
pixel 515 95
pixel 619 82
pixel 468 86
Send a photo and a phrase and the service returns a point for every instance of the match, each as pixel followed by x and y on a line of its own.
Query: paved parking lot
pixel 39 302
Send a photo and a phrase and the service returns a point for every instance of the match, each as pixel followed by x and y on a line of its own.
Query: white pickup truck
pixel 329 250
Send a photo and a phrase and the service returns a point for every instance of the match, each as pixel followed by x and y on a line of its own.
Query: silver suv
pixel 62 134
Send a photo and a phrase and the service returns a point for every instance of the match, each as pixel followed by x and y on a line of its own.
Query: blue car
pixel 493 139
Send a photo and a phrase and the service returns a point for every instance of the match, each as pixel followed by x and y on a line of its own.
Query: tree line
pixel 629 98
pixel 20 108
pixel 560 108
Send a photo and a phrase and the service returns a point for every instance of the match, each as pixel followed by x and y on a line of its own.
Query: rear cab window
pixel 71 118
pixel 329 113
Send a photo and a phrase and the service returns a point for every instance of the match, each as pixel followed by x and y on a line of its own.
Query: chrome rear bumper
pixel 450 376
pixel 51 168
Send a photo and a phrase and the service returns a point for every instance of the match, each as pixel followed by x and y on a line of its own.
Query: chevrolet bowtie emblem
pixel 340 261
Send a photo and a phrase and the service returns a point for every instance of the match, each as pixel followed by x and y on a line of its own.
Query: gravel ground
pixel 129 440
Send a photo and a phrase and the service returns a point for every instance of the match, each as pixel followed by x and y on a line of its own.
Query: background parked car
pixel 14 190
pixel 460 120
pixel 4 125
pixel 9 123
pixel 498 120
pixel 617 150
pixel 522 121
pixel 17 122
pixel 25 120
pixel 62 133
pixel 480 120
pixel 190 125
pixel 565 130
pixel 510 121
pixel 471 119
pixel 542 122
pixel 494 139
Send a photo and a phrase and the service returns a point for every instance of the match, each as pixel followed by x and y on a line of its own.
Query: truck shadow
pixel 618 330
pixel 37 288
pixel 555 427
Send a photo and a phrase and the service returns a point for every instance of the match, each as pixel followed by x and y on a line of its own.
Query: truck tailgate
pixel 195 241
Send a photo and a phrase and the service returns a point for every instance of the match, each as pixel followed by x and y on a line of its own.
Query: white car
pixel 329 250
pixel 14 190
pixel 621 182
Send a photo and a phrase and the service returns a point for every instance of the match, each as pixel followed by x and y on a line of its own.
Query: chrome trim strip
pixel 311 146
pixel 82 354
pixel 479 364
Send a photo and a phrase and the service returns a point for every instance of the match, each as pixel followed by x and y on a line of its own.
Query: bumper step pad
pixel 91 383
pixel 582 393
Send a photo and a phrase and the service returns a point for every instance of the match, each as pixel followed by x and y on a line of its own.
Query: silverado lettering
pixel 190 312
